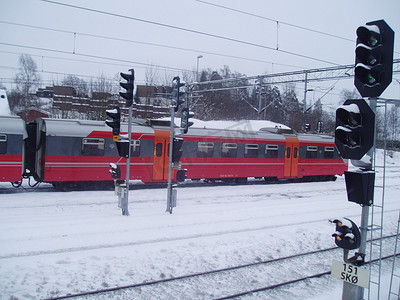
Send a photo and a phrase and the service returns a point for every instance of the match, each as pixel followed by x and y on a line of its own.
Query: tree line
pixel 241 99
pixel 223 100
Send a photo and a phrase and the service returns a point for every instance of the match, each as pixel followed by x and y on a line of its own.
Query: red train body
pixel 12 134
pixel 75 153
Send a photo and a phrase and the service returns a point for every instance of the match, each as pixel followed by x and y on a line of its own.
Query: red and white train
pixel 74 154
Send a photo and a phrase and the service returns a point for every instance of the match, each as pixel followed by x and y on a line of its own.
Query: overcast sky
pixel 168 36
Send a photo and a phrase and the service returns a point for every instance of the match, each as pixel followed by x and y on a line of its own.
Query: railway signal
pixel 374 58
pixel 128 86
pixel 360 186
pixel 177 150
pixel 185 116
pixel 115 171
pixel 177 94
pixel 181 175
pixel 115 122
pixel 347 234
pixel 355 127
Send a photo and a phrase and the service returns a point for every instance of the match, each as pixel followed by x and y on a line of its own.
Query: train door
pixel 34 149
pixel 161 158
pixel 291 157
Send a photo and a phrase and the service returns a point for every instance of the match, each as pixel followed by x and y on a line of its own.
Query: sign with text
pixel 350 273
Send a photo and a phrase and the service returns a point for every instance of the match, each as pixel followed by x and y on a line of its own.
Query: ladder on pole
pixel 395 277
pixel 376 225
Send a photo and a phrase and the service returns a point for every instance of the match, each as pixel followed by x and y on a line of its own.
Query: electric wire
pixel 274 20
pixel 188 30
pixel 147 43
pixel 277 21
pixel 94 56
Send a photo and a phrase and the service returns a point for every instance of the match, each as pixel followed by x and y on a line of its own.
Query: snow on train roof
pixel 243 125
pixel 252 129
pixel 244 128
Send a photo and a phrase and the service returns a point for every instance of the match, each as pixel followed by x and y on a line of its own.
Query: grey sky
pixel 253 51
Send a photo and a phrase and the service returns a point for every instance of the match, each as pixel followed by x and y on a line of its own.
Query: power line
pixel 64 58
pixel 42 81
pixel 279 22
pixel 147 43
pixel 275 21
pixel 188 30
pixel 93 56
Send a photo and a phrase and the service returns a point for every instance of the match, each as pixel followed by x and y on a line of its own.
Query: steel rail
pixel 131 286
pixel 294 281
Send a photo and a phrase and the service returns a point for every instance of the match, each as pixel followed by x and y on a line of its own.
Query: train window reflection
pixel 93 147
pixel 329 152
pixel 229 150
pixel 135 148
pixel 3 144
pixel 271 151
pixel 205 149
pixel 250 150
pixel 159 149
pixel 312 151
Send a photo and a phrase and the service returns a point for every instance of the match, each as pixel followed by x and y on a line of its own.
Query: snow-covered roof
pixel 243 125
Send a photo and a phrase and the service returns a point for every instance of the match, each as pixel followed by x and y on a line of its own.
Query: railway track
pixel 232 274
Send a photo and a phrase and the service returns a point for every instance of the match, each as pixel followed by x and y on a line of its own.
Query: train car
pixel 271 153
pixel 12 135
pixel 75 153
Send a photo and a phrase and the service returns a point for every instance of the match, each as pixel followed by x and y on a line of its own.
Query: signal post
pixel 355 136
pixel 123 143
pixel 175 151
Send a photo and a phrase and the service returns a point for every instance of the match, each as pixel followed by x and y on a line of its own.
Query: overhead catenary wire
pixel 275 21
pixel 146 43
pixel 188 30
pixel 279 22
pixel 93 56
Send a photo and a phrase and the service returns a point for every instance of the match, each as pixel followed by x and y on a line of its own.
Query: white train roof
pixel 248 129
pixel 12 125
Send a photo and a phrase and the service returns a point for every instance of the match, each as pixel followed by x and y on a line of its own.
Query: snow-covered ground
pixel 55 243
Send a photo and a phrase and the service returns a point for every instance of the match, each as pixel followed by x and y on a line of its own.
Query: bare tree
pixel 152 75
pixel 348 94
pixel 78 84
pixel 102 90
pixel 27 80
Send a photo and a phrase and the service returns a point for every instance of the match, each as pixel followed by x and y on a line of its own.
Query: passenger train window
pixel 93 147
pixel 271 151
pixel 205 149
pixel 250 150
pixel 159 149
pixel 229 150
pixel 3 144
pixel 135 148
pixel 329 152
pixel 296 151
pixel 312 151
